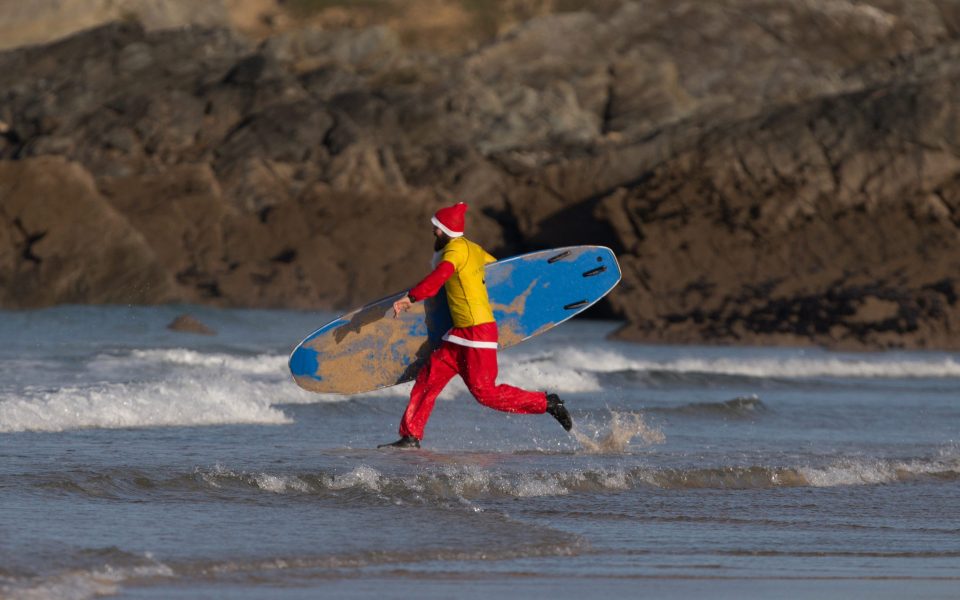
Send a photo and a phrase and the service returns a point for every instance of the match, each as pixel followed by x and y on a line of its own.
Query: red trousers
pixel 478 368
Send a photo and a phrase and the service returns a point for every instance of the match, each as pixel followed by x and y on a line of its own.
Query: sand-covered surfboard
pixel 368 348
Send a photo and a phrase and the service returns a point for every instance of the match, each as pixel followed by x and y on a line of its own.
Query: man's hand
pixel 401 305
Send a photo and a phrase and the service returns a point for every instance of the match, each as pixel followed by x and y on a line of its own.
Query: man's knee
pixel 484 394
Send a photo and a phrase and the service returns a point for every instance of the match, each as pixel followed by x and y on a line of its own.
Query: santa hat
pixel 450 219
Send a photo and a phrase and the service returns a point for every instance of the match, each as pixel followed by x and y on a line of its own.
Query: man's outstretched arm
pixel 427 288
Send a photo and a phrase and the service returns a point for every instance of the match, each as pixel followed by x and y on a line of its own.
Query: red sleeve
pixel 432 283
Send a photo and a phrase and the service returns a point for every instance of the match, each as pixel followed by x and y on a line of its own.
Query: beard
pixel 440 242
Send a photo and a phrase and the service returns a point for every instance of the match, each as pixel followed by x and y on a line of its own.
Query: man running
pixel 469 349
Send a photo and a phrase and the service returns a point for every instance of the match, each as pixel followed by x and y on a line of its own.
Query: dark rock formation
pixel 769 171
pixel 61 242
pixel 190 324
pixel 835 221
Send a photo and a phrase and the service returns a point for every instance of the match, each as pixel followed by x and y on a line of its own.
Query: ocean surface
pixel 138 462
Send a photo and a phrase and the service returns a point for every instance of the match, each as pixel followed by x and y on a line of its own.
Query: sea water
pixel 145 463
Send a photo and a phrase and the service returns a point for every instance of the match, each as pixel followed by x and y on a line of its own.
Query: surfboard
pixel 367 348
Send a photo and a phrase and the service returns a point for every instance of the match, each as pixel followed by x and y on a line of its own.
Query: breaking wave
pixel 106 579
pixel 186 387
pixel 739 407
pixel 451 485
pixel 136 360
pixel 179 401
pixel 190 388
pixel 842 472
pixel 609 361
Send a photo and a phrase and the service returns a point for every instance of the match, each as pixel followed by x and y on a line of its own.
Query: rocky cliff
pixel 769 171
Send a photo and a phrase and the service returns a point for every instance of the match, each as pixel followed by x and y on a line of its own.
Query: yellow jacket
pixel 466 288
pixel 460 270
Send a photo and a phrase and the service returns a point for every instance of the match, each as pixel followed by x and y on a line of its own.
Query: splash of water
pixel 616 436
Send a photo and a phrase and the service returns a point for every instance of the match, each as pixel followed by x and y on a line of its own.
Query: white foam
pixel 833 367
pixel 535 488
pixel 200 388
pixel 594 359
pixel 470 481
pixel 872 472
pixel 460 482
pixel 82 584
pixel 467 483
pixel 572 369
pixel 362 476
pixel 280 484
pixel 277 484
pixel 261 364
pixel 177 401
pixel 555 376
pixel 605 361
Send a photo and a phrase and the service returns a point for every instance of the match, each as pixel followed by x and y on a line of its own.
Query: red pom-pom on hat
pixel 450 219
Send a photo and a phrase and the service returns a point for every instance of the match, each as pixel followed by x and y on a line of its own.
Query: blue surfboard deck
pixel 368 349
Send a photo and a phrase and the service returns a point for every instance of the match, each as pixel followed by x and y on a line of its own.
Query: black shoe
pixel 407 441
pixel 558 411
